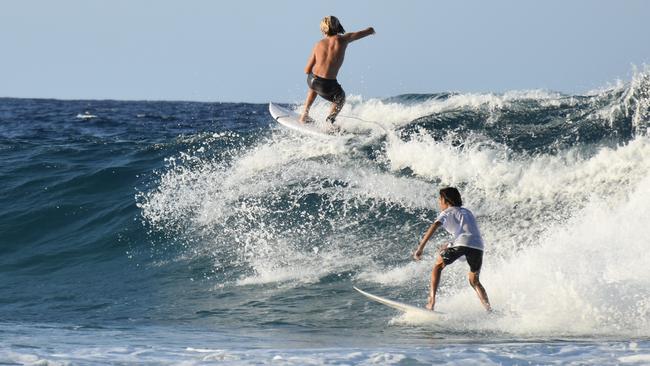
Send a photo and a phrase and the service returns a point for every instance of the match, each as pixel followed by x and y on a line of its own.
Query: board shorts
pixel 474 257
pixel 329 89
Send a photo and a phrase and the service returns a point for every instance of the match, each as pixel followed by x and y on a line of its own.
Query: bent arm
pixel 311 62
pixel 432 229
pixel 353 36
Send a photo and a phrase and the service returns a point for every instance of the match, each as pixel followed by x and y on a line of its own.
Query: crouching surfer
pixel 467 241
pixel 324 63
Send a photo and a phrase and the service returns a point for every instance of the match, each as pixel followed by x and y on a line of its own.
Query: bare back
pixel 328 56
pixel 324 62
pixel 328 53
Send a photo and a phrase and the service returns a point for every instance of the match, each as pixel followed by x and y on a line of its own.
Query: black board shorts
pixel 474 257
pixel 329 89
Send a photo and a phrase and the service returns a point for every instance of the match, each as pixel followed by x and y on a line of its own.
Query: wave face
pixel 210 214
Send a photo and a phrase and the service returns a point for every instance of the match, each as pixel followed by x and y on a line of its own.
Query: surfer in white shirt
pixel 467 241
pixel 324 63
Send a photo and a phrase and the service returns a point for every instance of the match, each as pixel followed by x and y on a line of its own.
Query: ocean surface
pixel 205 233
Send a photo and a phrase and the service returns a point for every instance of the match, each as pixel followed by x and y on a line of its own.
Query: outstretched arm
pixel 353 36
pixel 432 229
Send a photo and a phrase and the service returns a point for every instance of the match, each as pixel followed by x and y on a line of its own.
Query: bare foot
pixel 430 305
pixel 306 119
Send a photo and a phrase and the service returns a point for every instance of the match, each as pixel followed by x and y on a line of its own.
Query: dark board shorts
pixel 329 89
pixel 474 257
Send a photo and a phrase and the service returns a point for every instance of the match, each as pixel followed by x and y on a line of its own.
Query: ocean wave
pixel 218 200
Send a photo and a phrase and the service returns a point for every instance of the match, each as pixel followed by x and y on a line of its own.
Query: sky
pixel 256 51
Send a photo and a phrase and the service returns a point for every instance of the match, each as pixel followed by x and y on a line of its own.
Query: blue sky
pixel 255 51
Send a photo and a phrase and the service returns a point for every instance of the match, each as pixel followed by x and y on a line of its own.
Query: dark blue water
pixel 162 232
pixel 70 225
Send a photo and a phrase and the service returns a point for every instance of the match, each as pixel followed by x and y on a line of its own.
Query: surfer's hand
pixel 417 255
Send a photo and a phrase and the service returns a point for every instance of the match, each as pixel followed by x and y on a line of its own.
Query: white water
pixel 63 345
pixel 566 234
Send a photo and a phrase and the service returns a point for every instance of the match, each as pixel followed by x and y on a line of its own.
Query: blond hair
pixel 330 26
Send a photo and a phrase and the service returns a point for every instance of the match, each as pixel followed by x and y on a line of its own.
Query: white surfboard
pixel 411 313
pixel 291 119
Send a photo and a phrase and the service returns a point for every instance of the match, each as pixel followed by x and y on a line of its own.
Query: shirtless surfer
pixel 324 63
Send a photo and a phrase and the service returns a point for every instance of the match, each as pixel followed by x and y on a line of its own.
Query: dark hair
pixel 451 196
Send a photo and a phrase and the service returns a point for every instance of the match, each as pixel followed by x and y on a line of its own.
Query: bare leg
pixel 480 290
pixel 311 96
pixel 435 281
pixel 337 105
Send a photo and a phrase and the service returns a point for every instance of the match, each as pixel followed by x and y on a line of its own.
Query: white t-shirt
pixel 460 223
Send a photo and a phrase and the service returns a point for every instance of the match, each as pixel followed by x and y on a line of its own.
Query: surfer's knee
pixel 439 265
pixel 339 101
pixel 473 279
